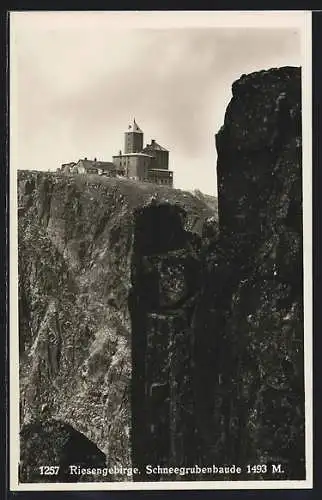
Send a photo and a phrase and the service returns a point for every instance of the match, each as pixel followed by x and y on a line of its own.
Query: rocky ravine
pixel 162 337
pixel 75 253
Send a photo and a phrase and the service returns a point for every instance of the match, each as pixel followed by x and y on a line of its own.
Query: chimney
pixel 120 153
pixel 95 159
pixel 152 141
pixel 85 158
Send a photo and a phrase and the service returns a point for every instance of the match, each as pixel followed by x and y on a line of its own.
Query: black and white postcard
pixel 160 250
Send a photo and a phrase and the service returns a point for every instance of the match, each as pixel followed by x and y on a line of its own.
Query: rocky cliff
pixel 248 325
pixel 163 337
pixel 76 237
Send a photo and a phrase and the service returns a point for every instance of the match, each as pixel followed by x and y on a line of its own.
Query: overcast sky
pixel 78 79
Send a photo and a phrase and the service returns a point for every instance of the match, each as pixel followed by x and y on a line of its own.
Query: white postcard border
pixel 173 19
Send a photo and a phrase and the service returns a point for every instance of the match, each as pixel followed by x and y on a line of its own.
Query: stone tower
pixel 133 139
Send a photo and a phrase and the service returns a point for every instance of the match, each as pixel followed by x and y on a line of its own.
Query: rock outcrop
pixel 76 238
pixel 166 281
pixel 52 451
pixel 249 377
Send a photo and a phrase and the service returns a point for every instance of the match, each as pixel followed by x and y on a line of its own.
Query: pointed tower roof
pixel 135 128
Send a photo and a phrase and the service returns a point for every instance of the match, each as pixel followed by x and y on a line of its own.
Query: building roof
pixel 104 165
pixel 132 154
pixel 134 128
pixel 68 164
pixel 155 147
pixel 161 170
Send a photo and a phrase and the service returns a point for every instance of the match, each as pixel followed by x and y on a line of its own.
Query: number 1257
pixel 49 470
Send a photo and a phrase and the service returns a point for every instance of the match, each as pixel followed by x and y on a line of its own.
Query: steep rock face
pixel 248 326
pixel 52 450
pixel 75 253
pixel 166 280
